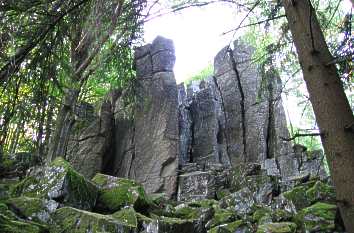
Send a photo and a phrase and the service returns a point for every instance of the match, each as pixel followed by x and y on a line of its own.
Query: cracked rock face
pixel 152 157
pixel 198 133
pixel 233 118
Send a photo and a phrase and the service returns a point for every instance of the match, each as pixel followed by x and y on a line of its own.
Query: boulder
pixel 319 217
pixel 71 220
pixel 238 226
pixel 196 186
pixel 240 202
pixel 167 224
pixel 8 225
pixel 59 182
pixel 221 216
pixel 309 193
pixel 33 209
pixel 279 227
pixel 116 193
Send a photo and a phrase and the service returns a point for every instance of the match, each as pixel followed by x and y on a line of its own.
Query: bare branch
pixel 297 135
pixel 256 23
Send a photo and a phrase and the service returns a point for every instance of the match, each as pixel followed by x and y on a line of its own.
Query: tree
pixel 331 107
pixel 52 51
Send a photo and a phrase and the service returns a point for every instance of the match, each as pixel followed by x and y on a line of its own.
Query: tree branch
pixel 16 60
pixel 256 23
pixel 297 135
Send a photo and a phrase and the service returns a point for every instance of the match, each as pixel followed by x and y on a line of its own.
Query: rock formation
pixel 208 158
pixel 195 135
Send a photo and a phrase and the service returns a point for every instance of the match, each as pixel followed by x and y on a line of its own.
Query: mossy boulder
pixel 319 217
pixel 278 227
pixel 166 224
pixel 236 226
pixel 116 193
pixel 33 209
pixel 309 193
pixel 321 192
pixel 262 215
pixel 240 202
pixel 10 223
pixel 298 197
pixel 128 216
pixel 60 182
pixel 221 216
pixel 281 215
pixel 71 220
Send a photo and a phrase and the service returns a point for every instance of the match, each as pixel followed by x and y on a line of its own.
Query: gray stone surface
pixel 148 152
pixel 91 138
pixel 196 185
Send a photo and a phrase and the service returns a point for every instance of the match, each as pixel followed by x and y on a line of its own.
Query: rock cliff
pixel 194 135
pixel 207 158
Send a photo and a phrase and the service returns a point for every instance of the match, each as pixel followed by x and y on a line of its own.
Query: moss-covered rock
pixel 204 203
pixel 237 226
pixel 71 220
pixel 128 216
pixel 298 197
pixel 33 209
pixel 280 215
pixel 321 192
pixel 116 193
pixel 59 181
pixel 240 202
pixel 319 217
pixel 167 224
pixel 279 227
pixel 309 193
pixel 9 225
pixel 262 215
pixel 221 216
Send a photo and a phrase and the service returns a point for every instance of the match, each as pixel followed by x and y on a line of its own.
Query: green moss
pixel 298 196
pixel 26 206
pixel 261 214
pixel 126 216
pixel 57 177
pixel 70 220
pixel 220 194
pixel 318 217
pixel 26 186
pixel 34 209
pixel 187 213
pixel 281 227
pixel 204 203
pixel 281 215
pixel 228 228
pixel 9 225
pixel 116 193
pixel 321 192
pixel 222 216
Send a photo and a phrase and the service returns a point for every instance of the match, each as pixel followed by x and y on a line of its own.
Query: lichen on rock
pixel 60 182
pixel 71 220
pixel 116 193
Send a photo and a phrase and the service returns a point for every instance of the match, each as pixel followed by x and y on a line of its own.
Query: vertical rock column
pixel 156 139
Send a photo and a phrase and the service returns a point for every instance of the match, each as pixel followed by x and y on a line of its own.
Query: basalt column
pixel 153 142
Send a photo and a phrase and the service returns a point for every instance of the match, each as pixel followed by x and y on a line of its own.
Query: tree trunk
pixel 332 110
pixel 64 125
pixel 48 125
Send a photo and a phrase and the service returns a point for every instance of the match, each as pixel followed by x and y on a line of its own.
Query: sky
pixel 196 33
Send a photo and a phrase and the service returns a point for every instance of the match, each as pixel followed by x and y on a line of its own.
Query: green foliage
pixel 201 75
pixel 44 45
